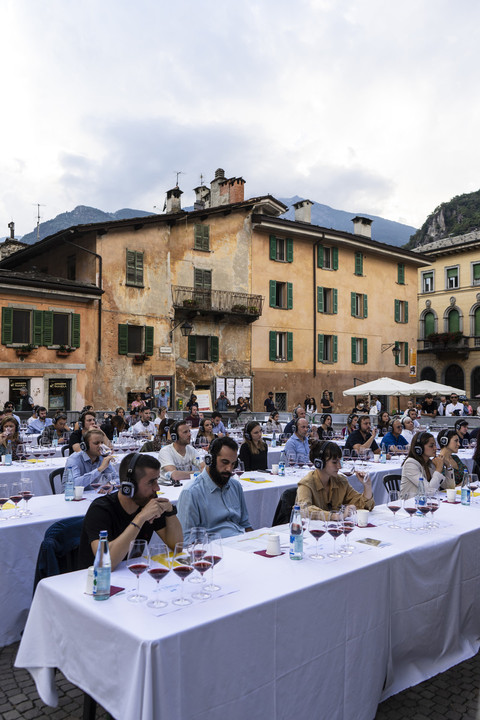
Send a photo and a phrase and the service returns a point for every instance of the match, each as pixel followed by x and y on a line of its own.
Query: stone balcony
pixel 447 343
pixel 191 301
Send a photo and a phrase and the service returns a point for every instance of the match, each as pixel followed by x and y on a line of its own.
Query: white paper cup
pixel 89 583
pixel 78 492
pixel 451 495
pixel 273 544
pixel 362 516
pixel 274 469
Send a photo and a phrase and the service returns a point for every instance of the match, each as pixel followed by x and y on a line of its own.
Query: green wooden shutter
pixel 476 273
pixel 335 301
pixel 289 250
pixel 477 322
pixel 354 350
pixel 365 351
pixel 47 328
pixel 192 348
pixel 130 267
pixel 122 339
pixel 273 293
pixel 272 344
pixel 358 263
pixel 289 346
pixel 397 310
pixel 335 348
pixel 429 320
pixel 397 354
pixel 365 306
pixel 273 247
pixel 406 359
pixel 38 328
pixel 335 258
pixel 289 296
pixel 214 348
pixel 453 321
pixel 7 325
pixel 401 274
pixel 202 237
pixel 75 330
pixel 353 303
pixel 320 256
pixel 148 340
pixel 320 299
pixel 321 343
pixel 406 312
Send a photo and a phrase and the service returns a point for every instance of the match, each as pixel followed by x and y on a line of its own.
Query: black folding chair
pixel 392 482
pixel 55 473
pixel 284 507
pixel 65 450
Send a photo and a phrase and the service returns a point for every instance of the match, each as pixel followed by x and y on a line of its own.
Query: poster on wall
pixel 413 362
pixel 204 400
pixel 234 388
pixel 159 382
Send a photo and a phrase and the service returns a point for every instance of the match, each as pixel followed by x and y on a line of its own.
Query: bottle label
pixel 465 496
pixel 101 583
pixel 296 546
pixel 281 469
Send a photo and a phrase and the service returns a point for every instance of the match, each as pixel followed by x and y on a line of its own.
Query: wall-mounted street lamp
pixel 185 328
pixel 395 348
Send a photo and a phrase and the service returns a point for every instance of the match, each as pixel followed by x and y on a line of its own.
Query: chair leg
pixel 89 707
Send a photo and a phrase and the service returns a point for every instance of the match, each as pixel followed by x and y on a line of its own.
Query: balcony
pixel 190 301
pixel 444 343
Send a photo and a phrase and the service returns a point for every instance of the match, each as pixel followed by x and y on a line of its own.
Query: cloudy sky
pixel 364 105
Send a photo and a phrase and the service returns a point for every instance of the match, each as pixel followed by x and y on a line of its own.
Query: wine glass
pixel 4 498
pixel 202 562
pixel 182 567
pixel 433 503
pixel 349 522
pixel 423 508
pixel 214 555
pixel 473 485
pixel 302 460
pixel 410 507
pixel 27 494
pixel 466 444
pixel 335 529
pixel 21 451
pixel 15 497
pixel 394 504
pixel 240 469
pixel 137 562
pixel 317 529
pixel 197 542
pixel 292 459
pixel 160 566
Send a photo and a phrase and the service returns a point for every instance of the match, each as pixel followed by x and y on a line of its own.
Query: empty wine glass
pixel 182 567
pixel 137 562
pixel 21 452
pixel 317 529
pixel 4 498
pixel 160 566
pixel 214 555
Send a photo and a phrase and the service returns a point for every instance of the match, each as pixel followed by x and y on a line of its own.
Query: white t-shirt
pixel 408 435
pixel 186 463
pixel 140 429
pixel 454 406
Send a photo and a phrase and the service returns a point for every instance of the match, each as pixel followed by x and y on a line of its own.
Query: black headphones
pixel 418 448
pixel 460 423
pixel 319 462
pixel 324 417
pixel 295 413
pixel 350 418
pixel 444 437
pixel 248 429
pixel 405 417
pixel 211 457
pixel 174 430
pixel 129 485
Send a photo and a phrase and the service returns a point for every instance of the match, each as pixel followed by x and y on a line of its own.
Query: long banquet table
pixel 284 639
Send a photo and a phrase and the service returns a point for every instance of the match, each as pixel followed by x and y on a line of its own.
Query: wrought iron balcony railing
pixel 217 301
pixel 447 343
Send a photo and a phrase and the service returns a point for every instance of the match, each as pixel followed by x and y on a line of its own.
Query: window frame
pixel 332 351
pixel 473 265
pixel 147 345
pixel 401 311
pixel 401 273
pixel 134 263
pixel 404 353
pixel 332 263
pixel 357 300
pixel 41 327
pixel 358 266
pixel 212 349
pixel 359 358
pixel 452 267
pixel 426 276
pixel 201 237
pixel 273 345
pixel 322 300
pixel 287 293
pixel 275 243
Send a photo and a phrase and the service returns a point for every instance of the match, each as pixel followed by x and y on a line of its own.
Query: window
pixel 359 305
pixel 281 249
pixel 359 351
pixel 358 263
pixel 327 257
pixel 202 237
pixel 453 321
pixel 401 311
pixel 476 325
pixel 72 267
pixel 281 295
pixel 281 401
pixel 475 273
pixel 135 340
pixel 327 300
pixel 134 268
pixel 202 279
pixel 428 284
pixel 401 273
pixel 429 324
pixel 452 278
pixel 40 327
pixel 402 357
pixel 327 348
pixel 280 346
pixel 203 348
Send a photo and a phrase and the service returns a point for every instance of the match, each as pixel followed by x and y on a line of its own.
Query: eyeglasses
pixel 453 397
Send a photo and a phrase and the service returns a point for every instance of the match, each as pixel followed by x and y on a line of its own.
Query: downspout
pixel 315 246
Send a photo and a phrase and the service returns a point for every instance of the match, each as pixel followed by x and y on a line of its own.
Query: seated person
pixel 449 443
pixel 9 432
pixel 34 415
pixel 107 427
pixel 178 459
pixel 218 428
pixel 422 462
pixel 298 445
pixel 394 437
pixel 408 428
pixel 8 409
pixel 58 430
pixel 325 488
pixel 86 422
pixel 215 499
pixel 351 426
pixel 144 426
pixel 89 465
pixel 461 427
pixel 241 406
pixel 273 423
pixel 161 415
pixel 134 513
pixel 160 439
pixel 253 452
pixel 194 417
pixel 299 412
pixel 205 431
pixel 362 438
pixel 39 425
pixel 325 429
pixel 383 424
pixel 118 425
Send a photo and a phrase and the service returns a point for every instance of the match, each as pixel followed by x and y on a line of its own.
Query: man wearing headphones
pixel 145 426
pixel 178 459
pixel 134 513
pixel 363 438
pixel 298 444
pixel 394 437
pixel 89 465
pixel 461 428
pixel 215 500
pixel 86 422
pixel 290 427
pixel 38 425
pixel 58 429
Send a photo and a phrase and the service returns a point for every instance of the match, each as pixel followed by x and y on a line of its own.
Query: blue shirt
pixel 390 439
pixel 220 510
pixel 297 447
pixel 85 471
pixel 38 426
pixel 220 428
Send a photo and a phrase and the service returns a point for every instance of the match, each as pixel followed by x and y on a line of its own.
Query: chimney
pixel 173 202
pixel 362 226
pixel 11 225
pixel 303 211
pixel 215 187
pixel 202 197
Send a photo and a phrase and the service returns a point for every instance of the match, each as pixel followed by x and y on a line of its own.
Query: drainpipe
pixel 315 246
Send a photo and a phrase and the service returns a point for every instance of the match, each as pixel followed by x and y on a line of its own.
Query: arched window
pixel 476 326
pixel 429 321
pixel 453 320
pixel 475 382
pixel 428 373
pixel 455 376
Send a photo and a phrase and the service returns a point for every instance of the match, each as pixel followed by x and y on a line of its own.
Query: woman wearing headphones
pixel 205 431
pixel 9 432
pixel 422 462
pixel 383 424
pixel 326 489
pixel 273 423
pixel 449 443
pixel 351 426
pixel 325 429
pixel 253 452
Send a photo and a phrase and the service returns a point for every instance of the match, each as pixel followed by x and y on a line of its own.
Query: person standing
pixel 162 399
pixel 268 403
pixel 454 407
pixel 222 403
pixel 26 402
pixel 326 402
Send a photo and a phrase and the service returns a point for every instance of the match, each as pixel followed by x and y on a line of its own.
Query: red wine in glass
pixel 213 559
pixel 317 533
pixel 202 565
pixel 348 528
pixel 183 571
pixel 424 509
pixel 394 508
pixel 138 568
pixel 410 510
pixel 335 532
pixel 158 573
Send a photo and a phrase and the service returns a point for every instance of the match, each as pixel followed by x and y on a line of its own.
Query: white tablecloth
pixel 294 639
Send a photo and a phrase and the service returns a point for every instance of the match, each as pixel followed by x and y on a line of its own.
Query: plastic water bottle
pixel 274 440
pixel 383 454
pixel 102 568
pixel 281 465
pixel 8 454
pixel 115 436
pixel 465 495
pixel 296 534
pixel 55 441
pixel 421 496
pixel 69 486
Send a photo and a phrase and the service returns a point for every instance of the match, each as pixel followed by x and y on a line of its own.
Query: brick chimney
pixel 173 202
pixel 224 191
pixel 303 211
pixel 362 226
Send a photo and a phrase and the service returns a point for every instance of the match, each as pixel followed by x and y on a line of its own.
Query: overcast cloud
pixel 362 105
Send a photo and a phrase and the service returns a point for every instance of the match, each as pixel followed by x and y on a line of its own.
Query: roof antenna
pixel 38 219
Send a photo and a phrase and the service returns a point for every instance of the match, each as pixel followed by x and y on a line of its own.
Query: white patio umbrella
pixel 382 386
pixel 422 387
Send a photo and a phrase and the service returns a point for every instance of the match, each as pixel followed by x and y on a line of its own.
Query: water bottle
pixel 281 465
pixel 8 454
pixel 69 486
pixel 274 440
pixel 102 567
pixel 465 491
pixel 115 436
pixel 55 441
pixel 229 424
pixel 421 497
pixel 296 534
pixel 383 454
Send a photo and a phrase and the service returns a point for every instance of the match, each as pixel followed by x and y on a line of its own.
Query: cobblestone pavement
pixel 453 695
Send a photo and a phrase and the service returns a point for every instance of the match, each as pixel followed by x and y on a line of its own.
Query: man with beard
pixel 215 499
pixel 134 513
